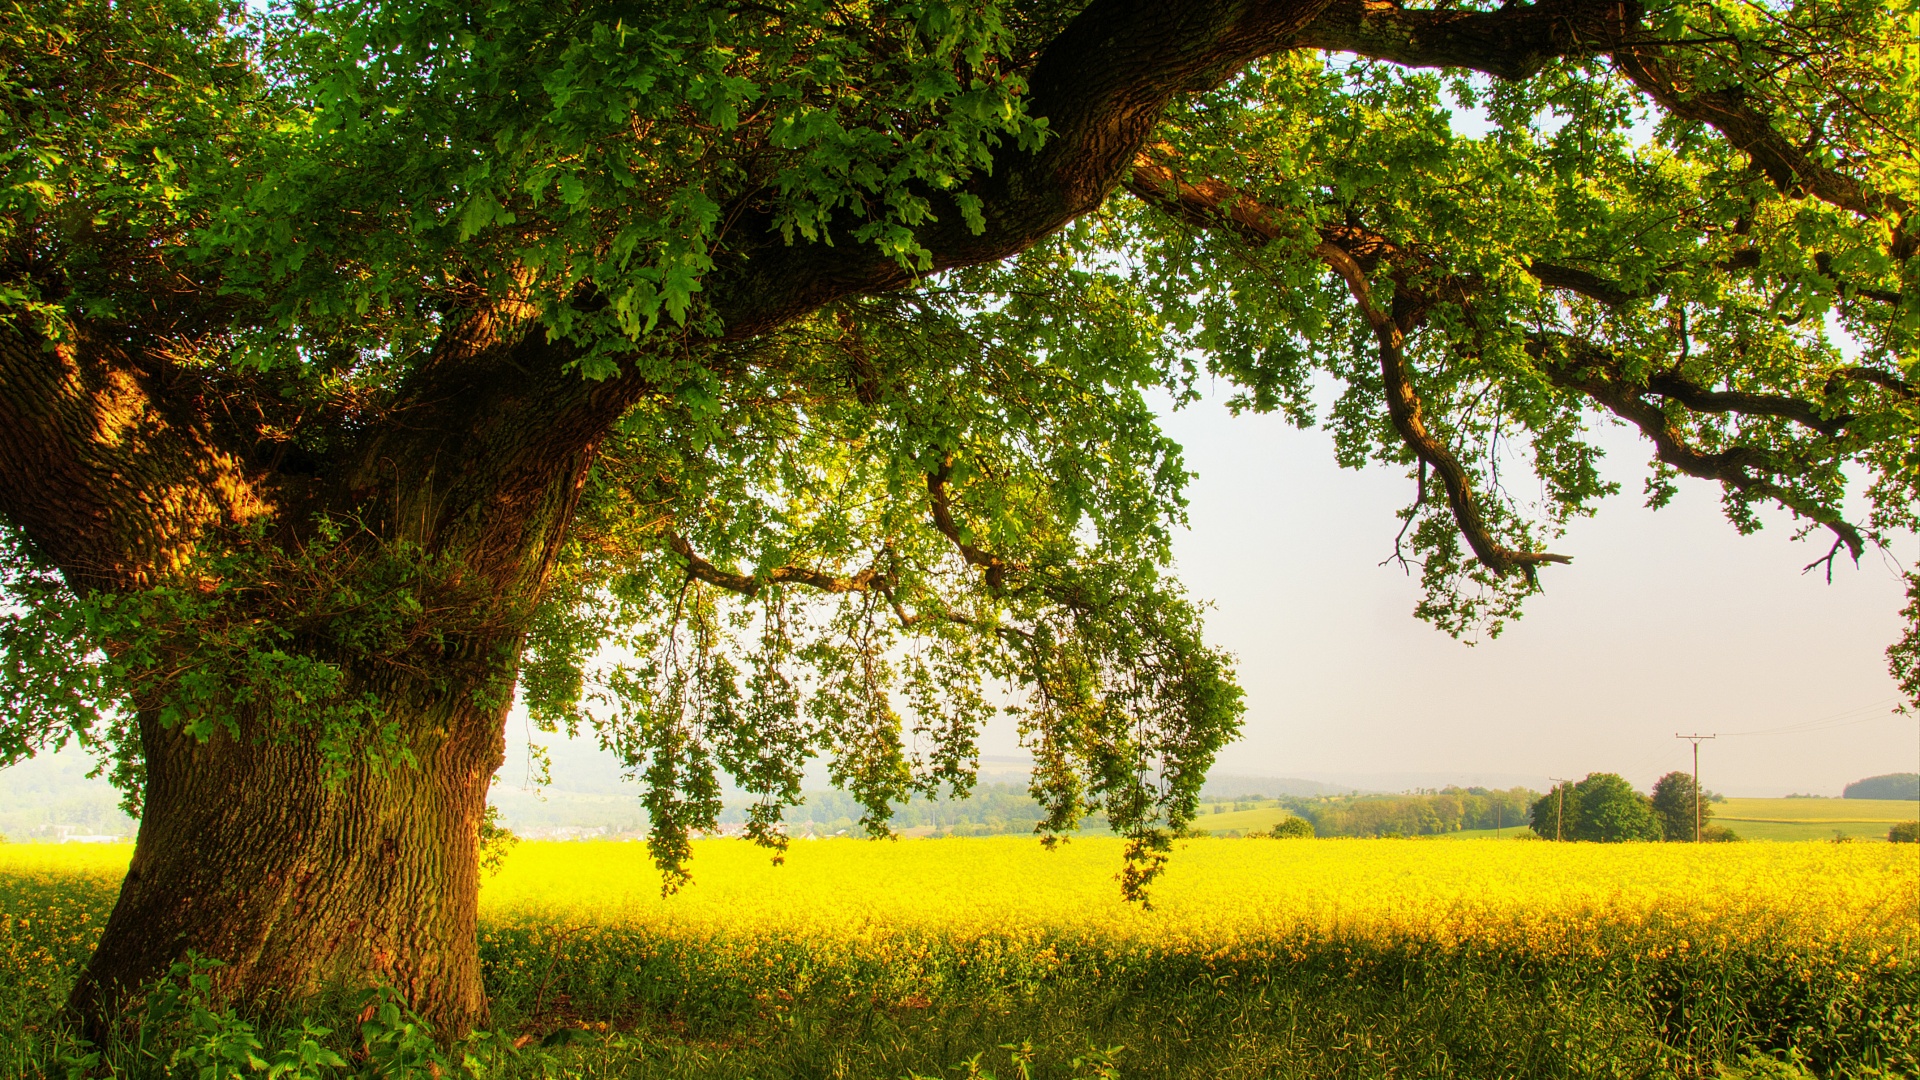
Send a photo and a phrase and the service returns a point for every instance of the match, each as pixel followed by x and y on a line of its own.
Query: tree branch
pixel 1101 85
pixel 1886 380
pixel 1700 399
pixel 749 585
pixel 109 461
pixel 1514 42
pixel 1405 410
pixel 1214 204
pixel 1734 115
pixel 1585 282
pixel 994 565
pixel 1580 365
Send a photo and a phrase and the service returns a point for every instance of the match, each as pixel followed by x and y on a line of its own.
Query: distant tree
pixel 1718 834
pixel 1611 811
pixel 1602 808
pixel 1546 814
pixel 1293 828
pixel 1899 785
pixel 1905 832
pixel 1673 806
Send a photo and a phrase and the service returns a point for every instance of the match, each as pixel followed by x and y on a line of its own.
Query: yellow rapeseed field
pixel 1215 893
pixel 1221 892
pixel 1510 958
pixel 1720 933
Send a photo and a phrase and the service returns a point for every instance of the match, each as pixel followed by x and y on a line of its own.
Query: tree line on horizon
pixel 1605 808
pixel 1899 785
pixel 1601 808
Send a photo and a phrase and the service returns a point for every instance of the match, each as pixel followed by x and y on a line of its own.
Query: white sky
pixel 1666 622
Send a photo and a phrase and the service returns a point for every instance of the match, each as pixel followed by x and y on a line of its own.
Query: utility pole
pixel 1695 739
pixel 1560 808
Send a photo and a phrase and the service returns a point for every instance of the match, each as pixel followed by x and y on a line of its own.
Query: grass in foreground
pixel 1261 958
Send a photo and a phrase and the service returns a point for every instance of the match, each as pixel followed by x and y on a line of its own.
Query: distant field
pixel 1822 810
pixel 1811 819
pixel 1241 820
pixel 1510 832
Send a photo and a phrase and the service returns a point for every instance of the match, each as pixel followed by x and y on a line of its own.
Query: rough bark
pixel 248 854
pixel 115 466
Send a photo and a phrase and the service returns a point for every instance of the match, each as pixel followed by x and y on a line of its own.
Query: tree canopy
pixel 1679 805
pixel 746 383
pixel 1602 808
pixel 1886 786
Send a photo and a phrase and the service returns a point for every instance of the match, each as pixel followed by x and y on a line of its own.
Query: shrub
pixel 1904 832
pixel 1718 834
pixel 1293 828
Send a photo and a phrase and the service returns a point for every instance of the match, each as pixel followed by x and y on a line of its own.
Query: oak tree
pixel 748 382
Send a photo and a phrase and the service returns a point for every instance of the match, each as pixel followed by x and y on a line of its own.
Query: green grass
pixel 1815 810
pixel 1811 819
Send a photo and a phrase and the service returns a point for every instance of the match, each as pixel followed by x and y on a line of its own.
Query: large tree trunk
pixel 300 875
pixel 248 854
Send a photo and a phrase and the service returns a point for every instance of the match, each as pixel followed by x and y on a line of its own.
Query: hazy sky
pixel 1666 621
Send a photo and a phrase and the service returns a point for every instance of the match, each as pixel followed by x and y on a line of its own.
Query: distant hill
pixel 50 797
pixel 1897 785
pixel 1242 787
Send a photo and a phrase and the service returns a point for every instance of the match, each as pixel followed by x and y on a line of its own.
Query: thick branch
pixel 1885 380
pixel 1514 42
pixel 1823 260
pixel 1700 399
pixel 109 470
pixel 1585 282
pixel 1749 128
pixel 749 585
pixel 1214 204
pixel 994 565
pixel 868 580
pixel 1101 86
pixel 1404 408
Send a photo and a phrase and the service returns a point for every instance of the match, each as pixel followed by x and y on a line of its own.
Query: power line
pixel 1843 718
